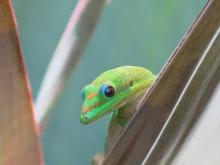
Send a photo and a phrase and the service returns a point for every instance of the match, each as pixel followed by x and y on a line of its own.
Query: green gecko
pixel 117 90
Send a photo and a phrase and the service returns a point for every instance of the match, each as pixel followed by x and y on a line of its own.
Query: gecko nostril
pixel 86 117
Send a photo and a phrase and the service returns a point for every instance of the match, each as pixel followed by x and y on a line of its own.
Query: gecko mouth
pixel 91 107
pixel 90 113
pixel 87 113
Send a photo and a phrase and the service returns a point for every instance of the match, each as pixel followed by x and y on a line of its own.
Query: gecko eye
pixel 107 90
pixel 82 94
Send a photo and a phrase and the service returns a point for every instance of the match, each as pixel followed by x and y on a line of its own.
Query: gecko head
pixel 97 101
pixel 110 91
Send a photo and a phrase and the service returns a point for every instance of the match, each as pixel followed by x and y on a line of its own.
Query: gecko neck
pixel 125 112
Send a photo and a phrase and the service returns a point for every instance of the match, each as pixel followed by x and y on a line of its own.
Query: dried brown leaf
pixel 18 137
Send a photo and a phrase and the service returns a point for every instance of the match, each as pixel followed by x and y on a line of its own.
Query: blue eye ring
pixel 82 94
pixel 107 90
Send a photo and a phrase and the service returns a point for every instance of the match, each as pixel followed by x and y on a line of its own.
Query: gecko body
pixel 115 91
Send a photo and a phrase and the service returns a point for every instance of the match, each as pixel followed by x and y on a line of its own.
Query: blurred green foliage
pixel 142 33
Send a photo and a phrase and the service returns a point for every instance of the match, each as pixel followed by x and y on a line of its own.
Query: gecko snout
pixel 84 118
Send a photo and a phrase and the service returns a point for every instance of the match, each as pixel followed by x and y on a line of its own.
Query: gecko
pixel 116 91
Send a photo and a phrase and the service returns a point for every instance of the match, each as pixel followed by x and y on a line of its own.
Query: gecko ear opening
pixel 131 83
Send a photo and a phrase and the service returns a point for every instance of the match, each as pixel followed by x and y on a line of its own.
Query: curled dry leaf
pixel 141 134
pixel 18 136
